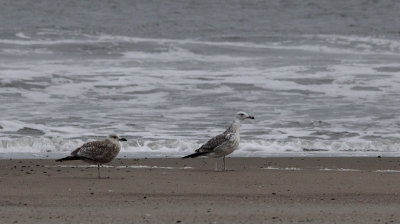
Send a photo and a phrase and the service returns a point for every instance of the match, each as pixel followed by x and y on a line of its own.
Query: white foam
pixel 284 168
pixel 177 148
pixel 387 171
pixel 340 170
pixel 390 46
pixel 22 35
pixel 161 98
pixel 181 55
pixel 368 41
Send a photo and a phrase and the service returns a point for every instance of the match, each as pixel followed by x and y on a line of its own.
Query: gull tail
pixel 194 155
pixel 69 158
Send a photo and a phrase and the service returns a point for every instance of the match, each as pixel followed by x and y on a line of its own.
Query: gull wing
pixel 92 150
pixel 214 143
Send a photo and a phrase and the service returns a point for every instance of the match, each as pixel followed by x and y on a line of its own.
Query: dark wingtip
pixel 194 155
pixel 188 156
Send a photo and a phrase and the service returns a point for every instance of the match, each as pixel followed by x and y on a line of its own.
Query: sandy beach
pixel 254 190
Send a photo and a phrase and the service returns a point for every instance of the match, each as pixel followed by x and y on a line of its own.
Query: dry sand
pixel 257 190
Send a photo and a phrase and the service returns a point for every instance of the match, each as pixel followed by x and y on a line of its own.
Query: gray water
pixel 321 77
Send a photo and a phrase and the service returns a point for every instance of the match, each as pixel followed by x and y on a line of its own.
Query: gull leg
pixel 223 159
pixel 216 165
pixel 98 170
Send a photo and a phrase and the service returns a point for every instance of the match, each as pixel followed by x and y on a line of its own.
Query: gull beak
pixel 250 117
pixel 123 139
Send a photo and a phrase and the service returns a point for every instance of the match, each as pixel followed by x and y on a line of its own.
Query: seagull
pixel 223 144
pixel 97 152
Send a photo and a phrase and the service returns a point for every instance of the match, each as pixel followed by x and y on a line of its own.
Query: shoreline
pixel 158 155
pixel 170 190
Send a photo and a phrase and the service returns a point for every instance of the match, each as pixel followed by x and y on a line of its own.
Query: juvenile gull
pixel 223 144
pixel 97 152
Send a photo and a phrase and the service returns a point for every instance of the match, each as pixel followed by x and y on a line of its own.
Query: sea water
pixel 320 77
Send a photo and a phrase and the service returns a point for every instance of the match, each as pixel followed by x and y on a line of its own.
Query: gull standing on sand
pixel 97 152
pixel 223 144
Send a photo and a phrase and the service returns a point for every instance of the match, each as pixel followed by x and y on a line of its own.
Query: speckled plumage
pixel 222 144
pixel 97 152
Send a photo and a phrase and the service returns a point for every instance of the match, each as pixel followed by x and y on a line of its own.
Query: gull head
pixel 243 115
pixel 115 138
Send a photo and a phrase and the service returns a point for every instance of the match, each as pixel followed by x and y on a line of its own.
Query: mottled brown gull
pixel 97 152
pixel 223 144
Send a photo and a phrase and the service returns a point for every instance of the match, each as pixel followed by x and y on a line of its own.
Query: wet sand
pixel 255 190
